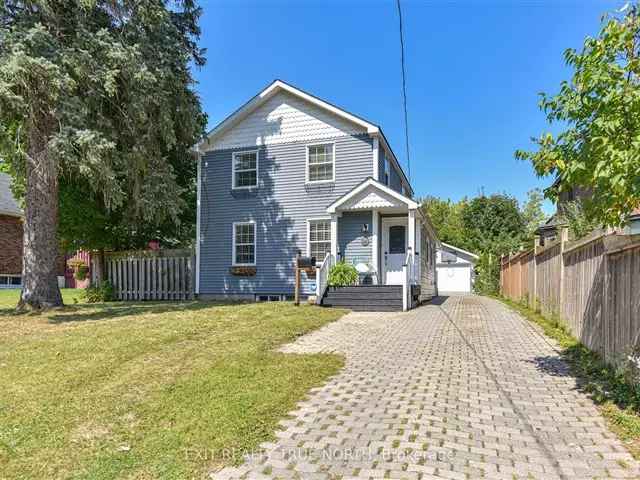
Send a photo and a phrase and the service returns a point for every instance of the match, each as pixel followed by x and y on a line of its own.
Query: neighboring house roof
pixel 451 247
pixel 280 86
pixel 8 204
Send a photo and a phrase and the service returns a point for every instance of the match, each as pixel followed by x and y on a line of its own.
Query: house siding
pixel 350 237
pixel 280 207
pixel 284 118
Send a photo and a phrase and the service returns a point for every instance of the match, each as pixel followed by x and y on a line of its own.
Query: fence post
pixel 501 276
pixel 564 237
pixel 534 293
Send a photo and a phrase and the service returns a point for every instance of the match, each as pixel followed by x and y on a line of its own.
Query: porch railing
pixel 322 277
pixel 408 279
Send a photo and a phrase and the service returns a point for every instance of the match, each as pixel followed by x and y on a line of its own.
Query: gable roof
pixel 281 86
pixel 451 247
pixel 371 185
pixel 8 204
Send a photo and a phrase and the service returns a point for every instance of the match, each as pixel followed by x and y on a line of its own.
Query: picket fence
pixel 151 274
pixel 592 285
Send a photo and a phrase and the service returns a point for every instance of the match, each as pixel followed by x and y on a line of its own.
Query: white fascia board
pixel 412 205
pixel 265 94
pixel 460 250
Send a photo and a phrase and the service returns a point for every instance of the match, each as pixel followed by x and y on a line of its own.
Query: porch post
pixel 334 236
pixel 374 245
pixel 411 241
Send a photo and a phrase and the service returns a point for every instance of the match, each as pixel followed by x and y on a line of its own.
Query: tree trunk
pixel 39 263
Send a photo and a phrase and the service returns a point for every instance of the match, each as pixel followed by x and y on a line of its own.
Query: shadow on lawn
pixel 105 311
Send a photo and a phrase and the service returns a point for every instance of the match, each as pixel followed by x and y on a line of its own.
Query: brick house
pixel 11 218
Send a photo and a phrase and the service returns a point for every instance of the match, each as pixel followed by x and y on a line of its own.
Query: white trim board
pixel 411 204
pixel 198 213
pixel 459 250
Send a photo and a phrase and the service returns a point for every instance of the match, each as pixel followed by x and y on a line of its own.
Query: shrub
pixel 487 280
pixel 342 275
pixel 99 294
pixel 81 273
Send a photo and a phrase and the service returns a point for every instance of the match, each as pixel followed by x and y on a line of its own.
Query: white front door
pixel 394 249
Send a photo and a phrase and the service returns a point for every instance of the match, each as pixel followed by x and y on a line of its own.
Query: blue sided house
pixel 290 174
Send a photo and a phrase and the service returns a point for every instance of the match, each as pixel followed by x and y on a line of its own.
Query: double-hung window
pixel 244 243
pixel 320 163
pixel 319 239
pixel 245 169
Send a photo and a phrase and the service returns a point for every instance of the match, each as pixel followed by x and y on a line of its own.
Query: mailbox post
pixel 301 263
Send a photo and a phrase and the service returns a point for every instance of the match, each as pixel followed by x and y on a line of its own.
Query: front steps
pixel 368 298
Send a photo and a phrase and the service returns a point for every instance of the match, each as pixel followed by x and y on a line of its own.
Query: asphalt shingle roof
pixel 8 204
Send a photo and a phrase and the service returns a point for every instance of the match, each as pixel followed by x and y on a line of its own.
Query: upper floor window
pixel 319 239
pixel 244 243
pixel 320 163
pixel 245 169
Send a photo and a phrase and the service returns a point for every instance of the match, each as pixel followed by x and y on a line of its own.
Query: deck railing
pixel 322 277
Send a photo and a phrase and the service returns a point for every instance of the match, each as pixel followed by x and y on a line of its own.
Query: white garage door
pixel 454 279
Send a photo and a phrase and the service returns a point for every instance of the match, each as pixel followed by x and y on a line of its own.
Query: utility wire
pixel 404 91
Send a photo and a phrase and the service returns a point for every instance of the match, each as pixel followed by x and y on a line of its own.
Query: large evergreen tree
pixel 97 102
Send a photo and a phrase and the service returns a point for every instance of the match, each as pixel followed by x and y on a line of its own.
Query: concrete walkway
pixel 463 388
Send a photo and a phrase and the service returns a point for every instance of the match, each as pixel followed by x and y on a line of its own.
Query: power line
pixel 404 91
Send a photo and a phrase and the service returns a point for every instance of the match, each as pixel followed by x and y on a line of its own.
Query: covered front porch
pixel 378 230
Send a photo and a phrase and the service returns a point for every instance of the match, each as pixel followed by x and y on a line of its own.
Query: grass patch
pixel 617 397
pixel 148 390
pixel 9 298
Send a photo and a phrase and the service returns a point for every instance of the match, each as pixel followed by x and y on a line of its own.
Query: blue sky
pixel 474 69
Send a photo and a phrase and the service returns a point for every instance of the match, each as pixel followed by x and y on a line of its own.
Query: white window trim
pixel 11 286
pixel 333 157
pixel 233 169
pixel 255 244
pixel 316 219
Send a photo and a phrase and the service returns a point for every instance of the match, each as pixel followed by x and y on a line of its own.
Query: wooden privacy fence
pixel 151 274
pixel 593 285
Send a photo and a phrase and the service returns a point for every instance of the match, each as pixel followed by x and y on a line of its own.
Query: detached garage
pixel 455 269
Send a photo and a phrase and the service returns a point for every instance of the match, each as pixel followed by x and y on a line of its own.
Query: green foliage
pixel 446 217
pixel 579 223
pixel 487 280
pixel 599 110
pixel 532 213
pixel 488 226
pixel 111 82
pixel 343 274
pixel 99 294
pixel 81 272
pixel 493 224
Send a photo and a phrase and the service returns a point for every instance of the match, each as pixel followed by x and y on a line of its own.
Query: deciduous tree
pixel 599 112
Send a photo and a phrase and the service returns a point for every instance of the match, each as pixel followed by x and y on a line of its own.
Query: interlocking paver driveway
pixel 465 389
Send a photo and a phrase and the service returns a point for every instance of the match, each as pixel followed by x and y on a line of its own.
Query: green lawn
pixel 147 390
pixel 9 298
